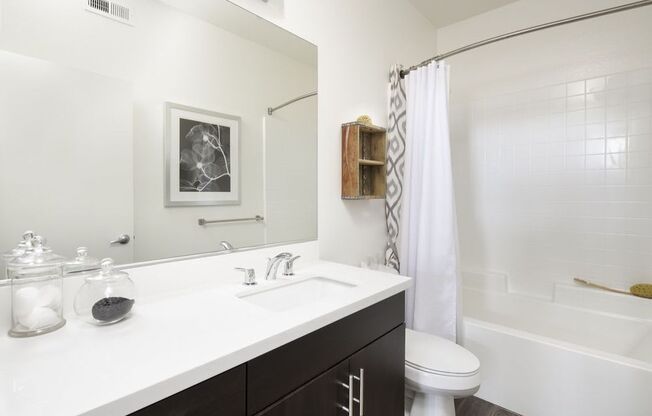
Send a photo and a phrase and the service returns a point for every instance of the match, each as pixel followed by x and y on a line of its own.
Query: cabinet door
pixel 323 396
pixel 275 374
pixel 222 395
pixel 381 388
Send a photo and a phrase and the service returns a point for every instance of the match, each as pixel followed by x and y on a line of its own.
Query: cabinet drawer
pixel 222 395
pixel 272 375
pixel 320 397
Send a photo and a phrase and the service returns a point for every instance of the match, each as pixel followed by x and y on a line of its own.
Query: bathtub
pixel 569 356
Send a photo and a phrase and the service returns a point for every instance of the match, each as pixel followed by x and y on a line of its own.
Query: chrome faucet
pixel 288 270
pixel 273 263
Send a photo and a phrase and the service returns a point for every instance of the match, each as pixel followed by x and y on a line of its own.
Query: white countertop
pixel 171 342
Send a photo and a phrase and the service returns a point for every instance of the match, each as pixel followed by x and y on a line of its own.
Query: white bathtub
pixel 548 358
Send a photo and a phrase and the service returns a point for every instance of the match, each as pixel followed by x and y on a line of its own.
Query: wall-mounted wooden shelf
pixel 366 162
pixel 363 161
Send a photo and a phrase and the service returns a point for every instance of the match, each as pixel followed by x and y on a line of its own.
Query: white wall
pixel 168 56
pixel 53 179
pixel 552 145
pixel 358 41
pixel 291 172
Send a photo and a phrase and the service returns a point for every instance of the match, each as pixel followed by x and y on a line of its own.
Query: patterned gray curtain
pixel 395 164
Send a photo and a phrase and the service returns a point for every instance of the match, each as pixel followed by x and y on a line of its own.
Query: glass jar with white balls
pixel 36 290
pixel 17 251
pixel 106 297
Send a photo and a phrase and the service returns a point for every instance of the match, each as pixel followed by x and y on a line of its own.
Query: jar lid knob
pixel 107 265
pixel 37 242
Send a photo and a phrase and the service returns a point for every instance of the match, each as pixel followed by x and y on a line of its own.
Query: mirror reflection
pixel 155 130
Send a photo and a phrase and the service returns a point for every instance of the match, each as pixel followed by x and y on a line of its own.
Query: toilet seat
pixel 441 373
pixel 435 364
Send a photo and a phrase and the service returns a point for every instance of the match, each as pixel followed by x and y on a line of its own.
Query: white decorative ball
pixel 39 318
pixel 25 300
pixel 49 296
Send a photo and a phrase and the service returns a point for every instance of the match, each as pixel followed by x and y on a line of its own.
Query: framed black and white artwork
pixel 201 157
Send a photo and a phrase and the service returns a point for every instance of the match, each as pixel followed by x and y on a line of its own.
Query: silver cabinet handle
pixel 350 394
pixel 362 392
pixel 361 400
pixel 122 239
pixel 349 387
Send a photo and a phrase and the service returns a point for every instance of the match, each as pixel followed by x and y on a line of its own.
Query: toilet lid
pixel 434 354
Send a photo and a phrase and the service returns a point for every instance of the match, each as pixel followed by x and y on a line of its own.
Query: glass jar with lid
pixel 82 264
pixel 17 251
pixel 107 296
pixel 36 290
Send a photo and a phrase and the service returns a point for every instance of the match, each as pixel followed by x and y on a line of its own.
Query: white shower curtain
pixel 428 239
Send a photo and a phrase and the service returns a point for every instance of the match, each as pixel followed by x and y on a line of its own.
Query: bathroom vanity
pixel 199 342
pixel 312 375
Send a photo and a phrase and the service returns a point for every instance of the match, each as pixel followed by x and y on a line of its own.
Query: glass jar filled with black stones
pixel 106 297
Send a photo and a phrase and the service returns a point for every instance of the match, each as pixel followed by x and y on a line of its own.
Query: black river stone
pixel 112 308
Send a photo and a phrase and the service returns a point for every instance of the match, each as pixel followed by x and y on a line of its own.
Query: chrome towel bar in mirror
pixel 203 221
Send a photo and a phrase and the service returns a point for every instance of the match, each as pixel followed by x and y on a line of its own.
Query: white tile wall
pixel 556 181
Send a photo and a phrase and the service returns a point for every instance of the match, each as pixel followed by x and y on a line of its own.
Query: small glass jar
pixel 106 297
pixel 17 251
pixel 82 264
pixel 36 291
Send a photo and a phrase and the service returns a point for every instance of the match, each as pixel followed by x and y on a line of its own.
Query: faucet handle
pixel 288 270
pixel 249 276
pixel 273 263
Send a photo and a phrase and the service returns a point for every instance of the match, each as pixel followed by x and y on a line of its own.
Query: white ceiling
pixel 247 25
pixel 445 12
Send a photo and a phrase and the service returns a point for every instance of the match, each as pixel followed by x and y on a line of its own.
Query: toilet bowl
pixel 436 372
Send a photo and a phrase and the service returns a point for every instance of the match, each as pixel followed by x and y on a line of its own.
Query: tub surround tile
pixel 574 160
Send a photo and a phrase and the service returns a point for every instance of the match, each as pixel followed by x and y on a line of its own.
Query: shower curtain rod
pixel 536 28
pixel 270 110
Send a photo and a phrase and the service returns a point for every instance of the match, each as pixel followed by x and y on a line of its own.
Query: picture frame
pixel 202 157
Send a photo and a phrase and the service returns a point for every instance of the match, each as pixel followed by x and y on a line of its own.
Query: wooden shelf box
pixel 363 161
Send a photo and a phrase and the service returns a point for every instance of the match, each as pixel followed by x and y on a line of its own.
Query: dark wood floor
pixel 473 406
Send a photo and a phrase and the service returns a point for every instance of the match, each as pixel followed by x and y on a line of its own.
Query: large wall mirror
pixel 151 119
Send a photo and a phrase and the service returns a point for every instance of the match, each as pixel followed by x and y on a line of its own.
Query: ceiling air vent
pixel 110 9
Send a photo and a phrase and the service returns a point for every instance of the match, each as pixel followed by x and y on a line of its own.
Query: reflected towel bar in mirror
pixel 203 221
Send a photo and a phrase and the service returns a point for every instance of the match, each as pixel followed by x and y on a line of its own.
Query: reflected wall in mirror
pixel 83 127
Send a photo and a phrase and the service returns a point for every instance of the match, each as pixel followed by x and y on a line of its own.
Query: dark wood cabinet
pixel 383 369
pixel 377 384
pixel 311 375
pixel 322 396
pixel 222 395
pixel 276 373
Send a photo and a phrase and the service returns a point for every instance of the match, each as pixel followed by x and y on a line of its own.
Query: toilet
pixel 436 372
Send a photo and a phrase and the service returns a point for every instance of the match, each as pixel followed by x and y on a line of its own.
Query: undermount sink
pixel 295 294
